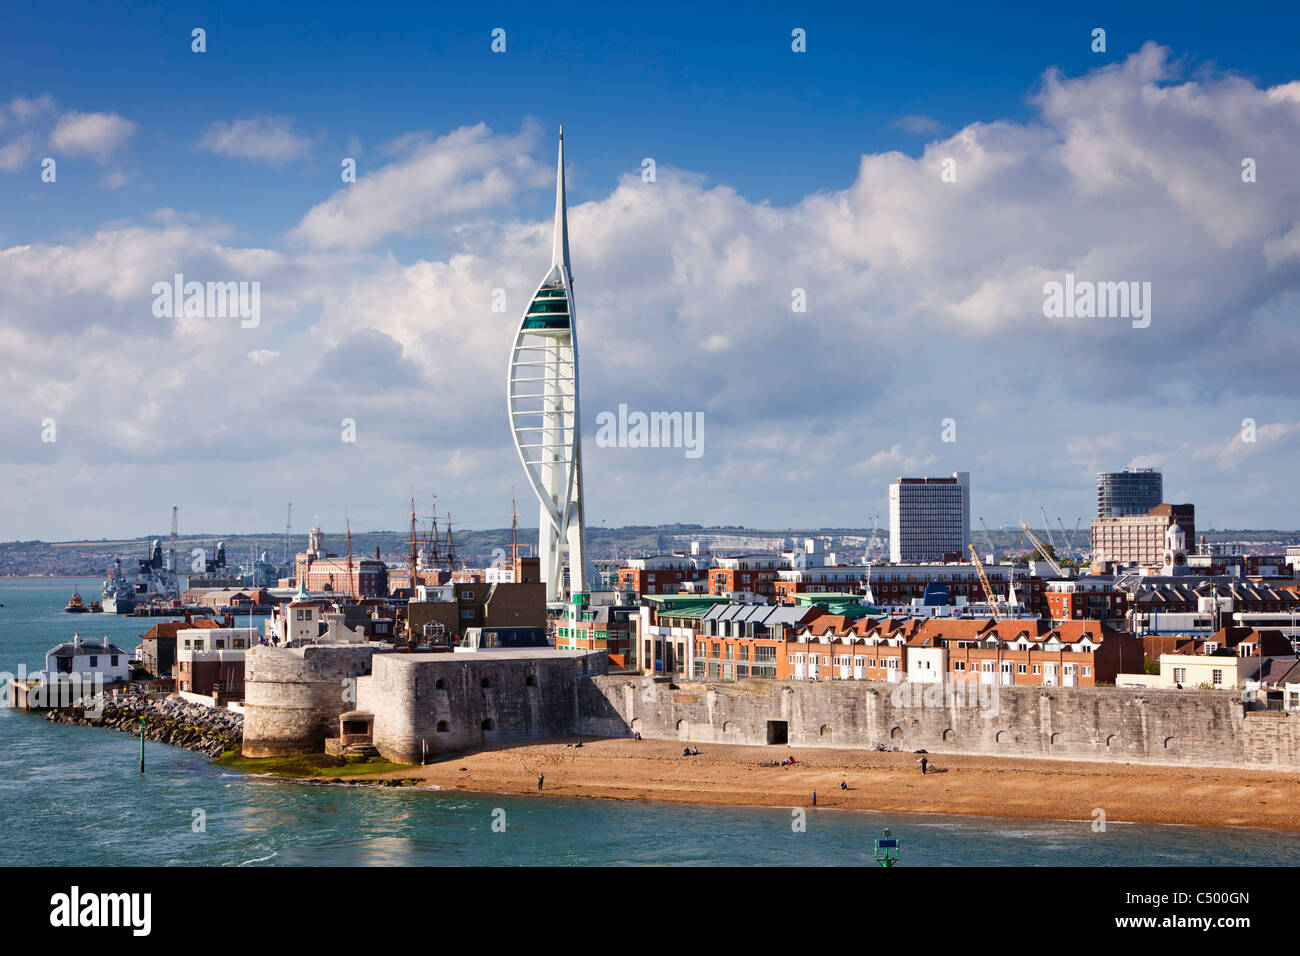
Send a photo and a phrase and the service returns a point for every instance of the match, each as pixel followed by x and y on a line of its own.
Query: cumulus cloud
pixel 467 171
pixel 264 138
pixel 918 124
pixel 14 153
pixel 25 109
pixel 924 302
pixel 96 135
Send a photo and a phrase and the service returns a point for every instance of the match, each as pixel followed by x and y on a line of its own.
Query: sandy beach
pixel 985 786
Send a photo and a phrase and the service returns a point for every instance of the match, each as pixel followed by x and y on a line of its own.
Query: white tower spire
pixel 560 247
pixel 542 398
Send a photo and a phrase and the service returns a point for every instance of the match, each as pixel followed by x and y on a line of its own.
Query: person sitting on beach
pixel 695 751
pixel 844 785
pixel 686 752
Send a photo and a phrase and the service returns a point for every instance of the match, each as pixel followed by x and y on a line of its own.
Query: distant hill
pixel 91 558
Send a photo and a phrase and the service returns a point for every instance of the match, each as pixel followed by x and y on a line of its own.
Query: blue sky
pixel 770 162
pixel 697 85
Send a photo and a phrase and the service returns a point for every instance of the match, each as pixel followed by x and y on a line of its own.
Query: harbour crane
pixel 1069 540
pixel 1042 550
pixel 1051 538
pixel 988 539
pixel 874 544
pixel 288 533
pixel 994 602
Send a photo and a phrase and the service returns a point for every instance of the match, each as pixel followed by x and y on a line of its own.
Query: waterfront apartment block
pixel 893 585
pixel 662 573
pixel 928 518
pixel 1012 653
pixel 1140 539
pixel 1133 491
pixel 157 650
pixel 1024 652
pixel 610 628
pixel 738 641
pixel 746 574
pixel 210 663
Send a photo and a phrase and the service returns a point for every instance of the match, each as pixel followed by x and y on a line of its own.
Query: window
pixel 1180 675
pixel 959 665
pixel 1038 668
pixel 93 660
pixel 1020 669
pixel 113 660
pixel 1216 676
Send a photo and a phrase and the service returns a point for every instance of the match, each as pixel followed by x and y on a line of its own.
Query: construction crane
pixel 451 547
pixel 1042 550
pixel 1051 538
pixel 349 526
pixel 874 542
pixel 288 533
pixel 988 539
pixel 984 583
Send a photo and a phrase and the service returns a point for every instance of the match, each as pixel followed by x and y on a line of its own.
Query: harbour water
pixel 74 796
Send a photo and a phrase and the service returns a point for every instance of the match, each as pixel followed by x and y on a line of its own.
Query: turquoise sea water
pixel 74 795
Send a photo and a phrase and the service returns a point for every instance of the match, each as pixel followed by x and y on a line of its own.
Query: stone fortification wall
pixel 430 704
pixel 293 696
pixel 1141 725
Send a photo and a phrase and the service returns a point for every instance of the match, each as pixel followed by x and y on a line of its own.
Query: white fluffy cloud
pixel 96 135
pixel 924 303
pixel 265 138
pixel 434 183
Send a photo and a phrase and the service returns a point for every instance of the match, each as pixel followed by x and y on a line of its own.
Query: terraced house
pixel 1022 652
pixel 739 641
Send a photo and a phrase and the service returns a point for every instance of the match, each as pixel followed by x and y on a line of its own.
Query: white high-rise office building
pixel 542 396
pixel 929 517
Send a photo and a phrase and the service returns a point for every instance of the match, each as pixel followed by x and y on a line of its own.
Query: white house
pixel 88 660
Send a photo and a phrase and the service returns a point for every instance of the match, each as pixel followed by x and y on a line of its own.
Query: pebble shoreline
pixel 207 730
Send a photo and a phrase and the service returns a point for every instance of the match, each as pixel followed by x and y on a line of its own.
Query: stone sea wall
pixel 208 730
pixel 1142 725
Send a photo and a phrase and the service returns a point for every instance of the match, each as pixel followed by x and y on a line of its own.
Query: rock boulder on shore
pixel 208 730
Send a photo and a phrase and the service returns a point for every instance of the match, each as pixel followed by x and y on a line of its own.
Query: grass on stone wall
pixel 309 765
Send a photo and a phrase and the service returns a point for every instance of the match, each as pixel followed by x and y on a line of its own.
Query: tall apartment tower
pixel 929 517
pixel 542 398
pixel 1133 491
